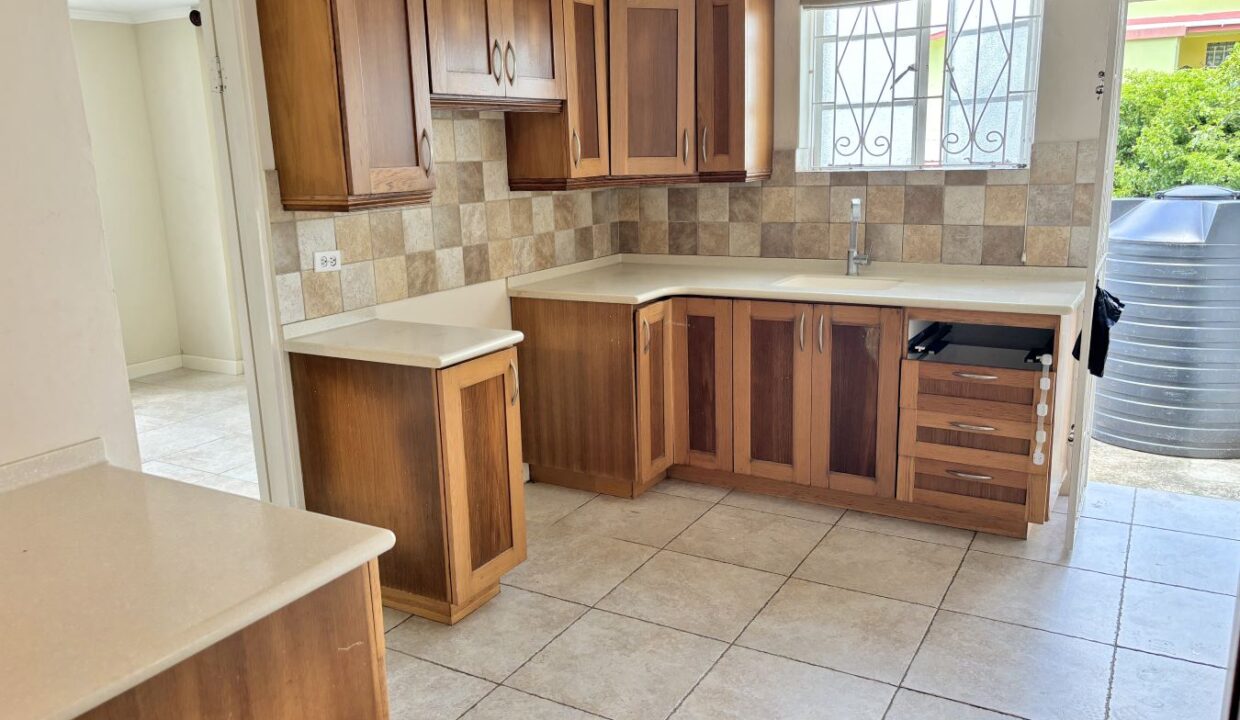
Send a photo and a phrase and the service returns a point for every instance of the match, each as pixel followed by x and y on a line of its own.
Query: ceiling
pixel 132 11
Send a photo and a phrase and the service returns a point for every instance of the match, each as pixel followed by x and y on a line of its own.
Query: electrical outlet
pixel 327 261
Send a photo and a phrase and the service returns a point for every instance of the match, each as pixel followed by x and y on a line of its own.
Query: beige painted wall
pixel 62 368
pixel 129 193
pixel 176 100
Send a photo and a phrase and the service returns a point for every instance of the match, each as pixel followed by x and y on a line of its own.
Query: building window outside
pixel 919 83
pixel 1217 52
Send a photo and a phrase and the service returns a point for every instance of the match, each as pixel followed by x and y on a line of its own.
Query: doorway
pixel 153 112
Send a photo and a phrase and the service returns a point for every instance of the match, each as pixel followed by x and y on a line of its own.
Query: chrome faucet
pixel 855 258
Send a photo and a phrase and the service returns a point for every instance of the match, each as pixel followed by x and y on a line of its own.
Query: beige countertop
pixel 112 576
pixel 404 343
pixel 636 279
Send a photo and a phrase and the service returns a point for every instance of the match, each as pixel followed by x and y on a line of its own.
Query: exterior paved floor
pixel 195 426
pixel 1121 466
pixel 692 603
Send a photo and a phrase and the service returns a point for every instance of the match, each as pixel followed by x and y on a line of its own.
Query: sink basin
pixel 837 283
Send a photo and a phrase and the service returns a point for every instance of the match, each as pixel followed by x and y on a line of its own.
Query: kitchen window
pixel 918 83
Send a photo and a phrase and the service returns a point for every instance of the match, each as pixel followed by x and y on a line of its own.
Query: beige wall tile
pixel 629 240
pixel 469 182
pixel 468 136
pixel 745 239
pixel 923 243
pixel 1083 204
pixel 1047 246
pixel 811 240
pixel 387 234
pixel 1081 246
pixel 449 268
pixel 583 208
pixel 565 247
pixel 628 204
pixel 777 240
pixel 1006 204
pixel 284 250
pixel 1086 161
pixel 783 168
pixel 353 238
pixel 288 293
pixel 745 204
pixel 713 238
pixel 653 203
pixel 652 237
pixel 418 229
pixel 964 204
pixel 499 220
pixel 1002 245
pixel 357 285
pixel 446 221
pixel 964 177
pixel 422 272
pixel 837 248
pixel 884 204
pixel 713 203
pixel 850 178
pixel 391 282
pixel 523 255
pixel 493 142
pixel 321 293
pixel 1051 204
pixel 925 177
pixel 1053 163
pixel 314 236
pixel 275 205
pixel 604 204
pixel 884 242
pixel 544 214
pixel 447 185
pixel 682 238
pixel 682 202
pixel 495 180
pixel 477 262
pixel 473 223
pixel 443 141
pixel 886 177
pixel 778 204
pixel 923 205
pixel 812 178
pixel 962 244
pixel 813 204
pixel 841 201
pixel 1008 177
pixel 521 212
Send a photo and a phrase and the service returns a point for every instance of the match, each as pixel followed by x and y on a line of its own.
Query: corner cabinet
pixel 655 417
pixel 652 87
pixel 348 95
pixel 434 455
pixel 735 89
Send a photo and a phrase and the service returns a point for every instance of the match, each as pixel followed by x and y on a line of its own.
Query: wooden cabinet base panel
pixel 608 181
pixel 591 483
pixel 1010 527
pixel 497 104
pixel 436 610
pixel 320 657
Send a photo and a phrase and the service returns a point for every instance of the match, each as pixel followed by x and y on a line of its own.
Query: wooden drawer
pixel 956 437
pixel 966 487
pixel 997 389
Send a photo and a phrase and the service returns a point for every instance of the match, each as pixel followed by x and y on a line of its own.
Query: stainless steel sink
pixel 837 283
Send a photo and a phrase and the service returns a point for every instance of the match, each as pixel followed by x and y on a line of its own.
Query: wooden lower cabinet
pixel 655 409
pixel 702 382
pixel 432 455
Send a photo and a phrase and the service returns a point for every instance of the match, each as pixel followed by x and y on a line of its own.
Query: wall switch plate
pixel 327 261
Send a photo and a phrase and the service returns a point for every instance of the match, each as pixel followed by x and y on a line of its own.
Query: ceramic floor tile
pixel 1182 623
pixel 695 491
pixel 1192 561
pixel 910 529
pixel 187 379
pixel 652 519
pixel 494 640
pixel 1100 545
pixel 775 543
pixel 840 629
pixel 234 419
pixel 1002 667
pixel 419 690
pixel 694 594
pixel 1148 687
pixel 504 703
pixel 618 667
pixel 218 456
pixel 545 503
pixel 911 705
pixel 147 423
pixel 1187 513
pixel 176 437
pixel 574 565
pixel 247 472
pixel 1103 501
pixel 783 506
pixel 1049 597
pixel 746 684
pixel 176 472
pixel 392 618
pixel 894 567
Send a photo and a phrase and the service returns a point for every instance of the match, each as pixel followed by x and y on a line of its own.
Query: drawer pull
pixel 969 476
pixel 646 332
pixel 972 428
pixel 516 383
pixel 802 332
pixel 975 376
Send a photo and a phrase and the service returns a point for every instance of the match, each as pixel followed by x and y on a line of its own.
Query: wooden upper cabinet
pixel 771 366
pixel 568 149
pixel 735 89
pixel 702 366
pixel 347 89
pixel 856 401
pixel 495 50
pixel 655 419
pixel 652 87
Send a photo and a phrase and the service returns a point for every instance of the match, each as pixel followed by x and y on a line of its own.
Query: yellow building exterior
pixel 1168 35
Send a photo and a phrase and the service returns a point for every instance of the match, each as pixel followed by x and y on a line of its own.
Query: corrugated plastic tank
pixel 1172 384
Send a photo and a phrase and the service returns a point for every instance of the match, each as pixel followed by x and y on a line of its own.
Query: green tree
pixel 1178 128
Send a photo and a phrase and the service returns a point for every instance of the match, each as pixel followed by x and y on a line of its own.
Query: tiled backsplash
pixel 477 230
pixel 970 217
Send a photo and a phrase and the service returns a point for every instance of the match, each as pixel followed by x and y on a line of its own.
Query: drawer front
pixel 996 386
pixel 957 437
pixel 965 487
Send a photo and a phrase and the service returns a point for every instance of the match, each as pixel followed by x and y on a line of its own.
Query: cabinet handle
pixel 516 382
pixel 576 149
pixel 969 476
pixel 972 428
pixel 822 322
pixel 975 376
pixel 802 332
pixel 510 70
pixel 496 62
pixel 704 135
pixel 686 153
pixel 646 332
pixel 428 151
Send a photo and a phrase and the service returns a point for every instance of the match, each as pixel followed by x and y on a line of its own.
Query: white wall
pixel 128 181
pixel 176 101
pixel 62 365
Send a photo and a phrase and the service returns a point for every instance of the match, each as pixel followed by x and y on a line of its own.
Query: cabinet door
pixel 652 87
pixel 480 414
pixel 771 365
pixel 857 352
pixel 654 391
pixel 586 59
pixel 465 39
pixel 387 109
pixel 721 85
pixel 702 355
pixel 534 48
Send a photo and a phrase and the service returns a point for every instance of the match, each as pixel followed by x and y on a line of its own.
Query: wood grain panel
pixel 465 45
pixel 653 326
pixel 369 440
pixel 578 408
pixel 735 89
pixel 320 657
pixel 486 470
pixel 534 49
pixel 586 31
pixel 771 390
pixel 854 399
pixel 702 347
pixel 702 361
